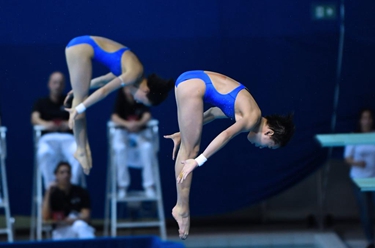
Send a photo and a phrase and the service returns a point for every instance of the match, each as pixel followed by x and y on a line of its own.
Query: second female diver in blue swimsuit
pixel 231 100
pixel 126 71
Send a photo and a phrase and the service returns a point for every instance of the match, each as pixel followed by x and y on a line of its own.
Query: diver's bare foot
pixel 83 160
pixel 183 223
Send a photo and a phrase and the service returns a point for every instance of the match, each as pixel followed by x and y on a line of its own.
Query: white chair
pixel 136 196
pixel 4 187
pixel 37 226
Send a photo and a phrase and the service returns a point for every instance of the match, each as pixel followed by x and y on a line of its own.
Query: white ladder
pixel 37 226
pixel 4 187
pixel 110 214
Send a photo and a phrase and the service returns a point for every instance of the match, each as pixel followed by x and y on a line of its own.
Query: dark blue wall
pixel 287 61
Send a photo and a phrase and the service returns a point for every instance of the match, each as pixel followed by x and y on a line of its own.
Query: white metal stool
pixel 4 187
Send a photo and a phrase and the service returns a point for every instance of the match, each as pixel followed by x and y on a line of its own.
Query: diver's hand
pixel 176 138
pixel 72 116
pixel 189 166
pixel 68 98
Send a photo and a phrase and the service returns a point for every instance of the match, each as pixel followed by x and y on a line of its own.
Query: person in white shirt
pixel 361 158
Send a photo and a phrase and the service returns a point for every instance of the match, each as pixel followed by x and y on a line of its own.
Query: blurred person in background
pixel 132 137
pixel 361 158
pixel 67 206
pixel 57 142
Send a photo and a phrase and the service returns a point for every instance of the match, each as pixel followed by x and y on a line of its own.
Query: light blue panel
pixel 366 184
pixel 329 140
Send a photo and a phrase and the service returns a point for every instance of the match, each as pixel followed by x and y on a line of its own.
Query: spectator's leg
pixel 48 157
pixel 63 232
pixel 147 156
pixel 83 230
pixel 372 215
pixel 68 147
pixel 120 143
pixel 364 211
pixel 80 70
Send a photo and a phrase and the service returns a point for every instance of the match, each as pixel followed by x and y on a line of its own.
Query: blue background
pixel 287 60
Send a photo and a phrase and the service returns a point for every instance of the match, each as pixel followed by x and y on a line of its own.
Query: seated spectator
pixel 132 132
pixel 57 142
pixel 67 206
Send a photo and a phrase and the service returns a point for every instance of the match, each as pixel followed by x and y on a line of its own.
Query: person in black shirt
pixel 57 142
pixel 132 142
pixel 67 206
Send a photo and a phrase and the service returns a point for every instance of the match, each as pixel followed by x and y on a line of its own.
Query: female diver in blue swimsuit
pixel 126 70
pixel 231 99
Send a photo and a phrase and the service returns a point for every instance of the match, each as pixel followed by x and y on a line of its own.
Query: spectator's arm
pixel 352 162
pixel 64 126
pixel 46 208
pixel 349 152
pixel 146 117
pixel 37 120
pixel 119 121
pixel 85 214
